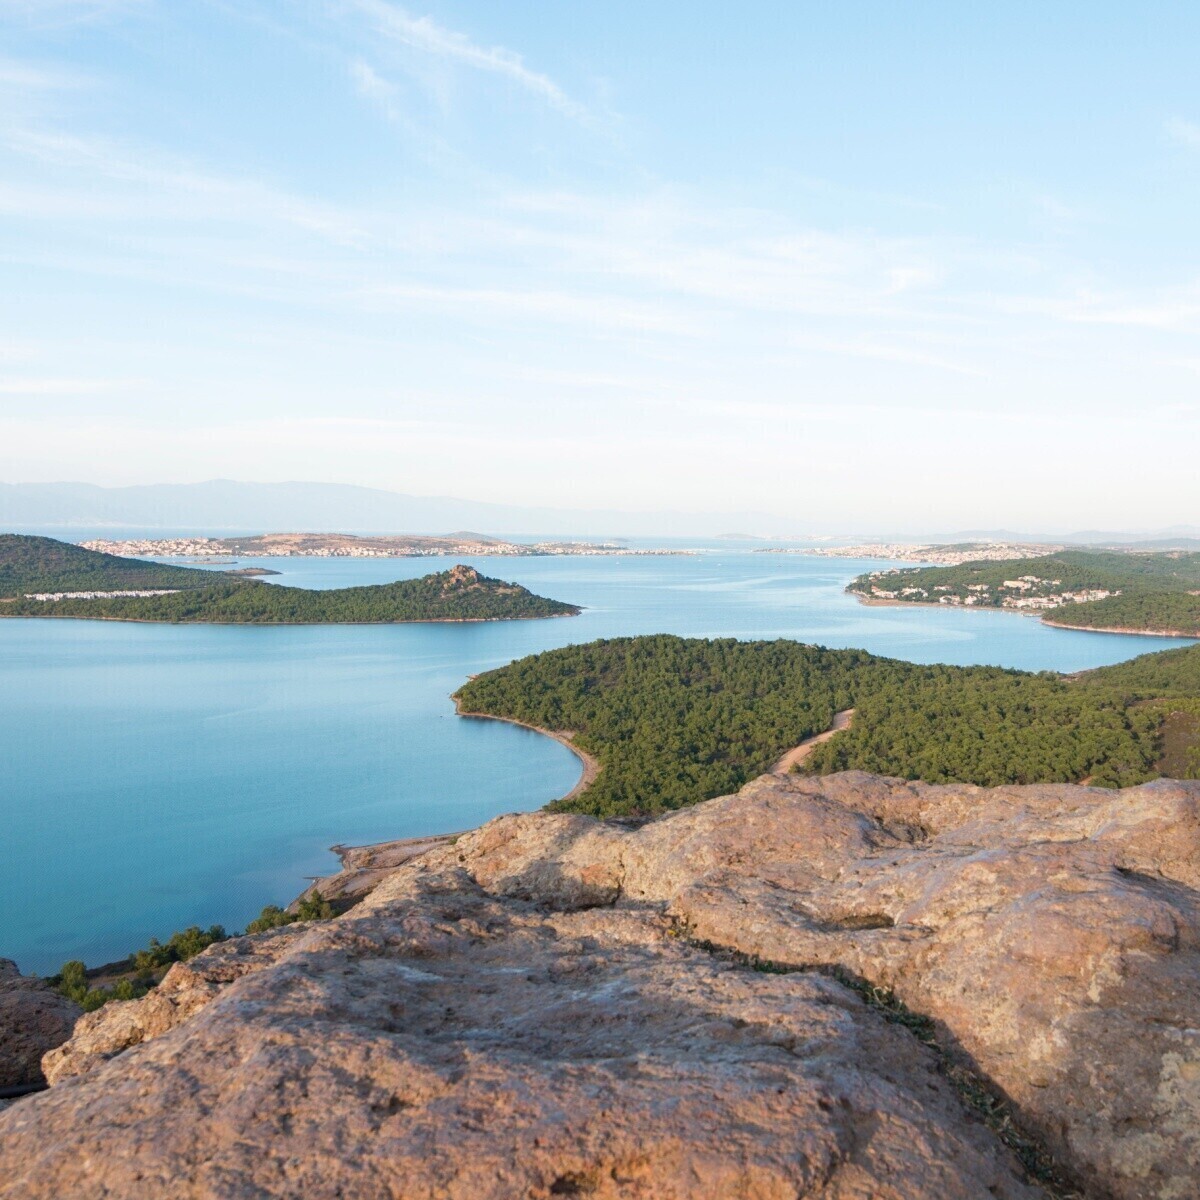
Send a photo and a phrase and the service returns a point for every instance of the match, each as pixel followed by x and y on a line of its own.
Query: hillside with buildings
pixel 1157 593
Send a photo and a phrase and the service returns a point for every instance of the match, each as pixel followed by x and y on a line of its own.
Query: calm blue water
pixel 153 777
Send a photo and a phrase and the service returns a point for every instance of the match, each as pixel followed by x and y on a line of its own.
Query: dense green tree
pixel 179 948
pixel 1142 612
pixel 673 721
pixel 41 564
pixel 271 917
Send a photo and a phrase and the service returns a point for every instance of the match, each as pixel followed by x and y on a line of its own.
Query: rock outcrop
pixel 364 868
pixel 543 1009
pixel 33 1019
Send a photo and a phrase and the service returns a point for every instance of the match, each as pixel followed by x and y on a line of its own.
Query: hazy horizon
pixel 246 506
pixel 931 262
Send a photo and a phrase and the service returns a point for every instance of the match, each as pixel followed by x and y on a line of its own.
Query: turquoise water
pixel 153 777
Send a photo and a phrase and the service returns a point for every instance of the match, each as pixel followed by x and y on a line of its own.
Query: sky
pixel 859 265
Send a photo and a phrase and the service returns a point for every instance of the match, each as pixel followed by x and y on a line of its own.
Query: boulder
pixel 34 1018
pixel 718 1003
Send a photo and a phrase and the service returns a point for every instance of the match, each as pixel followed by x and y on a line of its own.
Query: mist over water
pixel 153 777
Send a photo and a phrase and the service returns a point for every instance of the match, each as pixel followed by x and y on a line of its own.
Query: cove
pixel 153 777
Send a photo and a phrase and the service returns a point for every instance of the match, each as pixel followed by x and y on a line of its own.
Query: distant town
pixel 51 596
pixel 345 545
pixel 1029 593
pixel 951 555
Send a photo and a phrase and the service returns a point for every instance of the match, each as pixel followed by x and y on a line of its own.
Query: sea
pixel 154 777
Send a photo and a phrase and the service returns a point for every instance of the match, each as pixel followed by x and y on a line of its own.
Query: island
pixel 672 721
pixel 1105 591
pixel 41 577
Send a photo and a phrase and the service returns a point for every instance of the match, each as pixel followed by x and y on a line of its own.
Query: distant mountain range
pixel 222 505
pixel 1173 535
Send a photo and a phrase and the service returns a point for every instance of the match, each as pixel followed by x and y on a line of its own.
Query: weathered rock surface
pixel 185 989
pixel 33 1019
pixel 365 867
pixel 451 1044
pixel 517 1015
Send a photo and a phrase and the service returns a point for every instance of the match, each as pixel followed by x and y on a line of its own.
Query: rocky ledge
pixel 702 1006
pixel 33 1018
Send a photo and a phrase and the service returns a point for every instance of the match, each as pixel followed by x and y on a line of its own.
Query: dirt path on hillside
pixel 801 752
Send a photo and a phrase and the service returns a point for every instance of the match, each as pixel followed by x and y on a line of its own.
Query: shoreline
pixel 591 765
pixel 283 624
pixel 1168 633
pixel 874 602
pixel 364 867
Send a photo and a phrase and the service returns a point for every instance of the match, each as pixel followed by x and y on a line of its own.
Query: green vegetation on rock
pixel 139 973
pixel 311 907
pixel 144 969
pixel 73 983
pixel 673 721
pixel 179 947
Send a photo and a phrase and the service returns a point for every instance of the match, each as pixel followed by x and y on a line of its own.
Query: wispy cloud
pixel 67 12
pixel 63 387
pixel 1174 310
pixel 422 33
pixel 370 84
pixel 905 355
pixel 553 307
pixel 31 77
pixel 193 190
pixel 1183 133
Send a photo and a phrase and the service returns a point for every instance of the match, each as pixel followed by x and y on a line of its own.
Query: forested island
pixel 40 577
pixel 1151 593
pixel 673 721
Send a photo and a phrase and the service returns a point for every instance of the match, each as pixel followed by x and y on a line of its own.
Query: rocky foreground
pixel 32 1016
pixel 700 1007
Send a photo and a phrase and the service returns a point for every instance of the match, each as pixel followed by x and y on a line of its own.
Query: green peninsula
pixel 672 721
pixel 40 564
pixel 1150 593
pixel 40 577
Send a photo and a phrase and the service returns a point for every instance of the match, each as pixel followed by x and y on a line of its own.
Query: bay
pixel 153 777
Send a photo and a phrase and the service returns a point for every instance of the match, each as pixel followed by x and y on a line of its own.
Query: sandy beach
pixel 591 767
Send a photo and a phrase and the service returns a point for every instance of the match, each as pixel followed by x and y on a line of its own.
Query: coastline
pixel 591 766
pixel 1167 633
pixel 363 867
pixel 874 602
pixel 286 624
